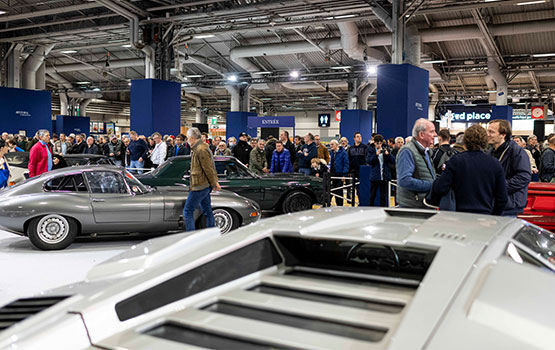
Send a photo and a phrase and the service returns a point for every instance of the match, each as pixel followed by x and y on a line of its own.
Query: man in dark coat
pixel 181 147
pixel 515 163
pixel 288 145
pixel 242 150
pixel 91 147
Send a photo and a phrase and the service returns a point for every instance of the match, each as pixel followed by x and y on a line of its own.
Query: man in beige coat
pixel 203 179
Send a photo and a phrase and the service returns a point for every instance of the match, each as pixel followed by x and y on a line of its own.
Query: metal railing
pixel 391 185
pixel 351 188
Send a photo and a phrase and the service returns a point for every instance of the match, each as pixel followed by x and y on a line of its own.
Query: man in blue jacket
pixel 281 160
pixel 137 151
pixel 380 160
pixel 515 163
pixel 306 153
pixel 339 167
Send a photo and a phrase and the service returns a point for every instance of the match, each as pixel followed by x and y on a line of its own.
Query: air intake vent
pixel 21 309
pixel 410 214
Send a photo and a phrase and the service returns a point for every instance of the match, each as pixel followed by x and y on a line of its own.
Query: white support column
pixel 14 67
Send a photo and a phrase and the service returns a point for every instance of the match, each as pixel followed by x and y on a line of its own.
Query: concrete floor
pixel 27 271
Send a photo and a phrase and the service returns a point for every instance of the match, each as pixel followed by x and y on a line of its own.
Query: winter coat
pixel 547 172
pixel 115 149
pixel 242 152
pixel 486 194
pixel 78 148
pixel 138 149
pixel 225 152
pixel 38 159
pixel 323 153
pixel 203 170
pixel 281 162
pixel 58 146
pixel 518 175
pixel 339 162
pixel 4 174
pixel 269 149
pixel 291 148
pixel 307 153
pixel 373 160
pixel 257 161
pixel 92 150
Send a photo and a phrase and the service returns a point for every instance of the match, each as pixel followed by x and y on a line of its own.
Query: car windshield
pixel 136 186
pixel 76 161
pixel 540 242
pixel 173 168
pixel 17 159
pixel 230 169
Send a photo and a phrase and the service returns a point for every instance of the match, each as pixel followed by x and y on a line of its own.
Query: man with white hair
pixel 160 150
pixel 222 150
pixel 203 179
pixel 5 136
pixel 415 171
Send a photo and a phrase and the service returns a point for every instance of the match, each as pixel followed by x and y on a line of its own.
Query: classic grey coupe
pixel 56 207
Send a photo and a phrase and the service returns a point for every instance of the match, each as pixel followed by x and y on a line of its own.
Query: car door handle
pixel 98 200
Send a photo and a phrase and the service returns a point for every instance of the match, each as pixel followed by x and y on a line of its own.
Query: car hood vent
pixel 22 309
pixel 409 214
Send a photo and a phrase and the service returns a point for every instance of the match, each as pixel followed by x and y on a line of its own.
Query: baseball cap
pixel 243 134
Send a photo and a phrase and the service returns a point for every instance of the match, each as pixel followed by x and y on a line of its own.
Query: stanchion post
pixel 353 190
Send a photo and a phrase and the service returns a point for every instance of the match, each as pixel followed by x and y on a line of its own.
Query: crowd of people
pixel 479 170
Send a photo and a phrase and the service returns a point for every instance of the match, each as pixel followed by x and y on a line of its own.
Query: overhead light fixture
pixel 263 73
pixel 314 97
pixel 491 91
pixel 126 46
pixel 294 74
pixel 204 36
pixel 531 2
pixel 129 84
pixel 232 77
pixel 341 67
pixel 372 70
pixel 96 89
pixel 2 12
pixel 266 99
pixel 543 55
pixel 83 82
pixel 344 16
pixel 193 76
pixel 68 51
pixel 434 61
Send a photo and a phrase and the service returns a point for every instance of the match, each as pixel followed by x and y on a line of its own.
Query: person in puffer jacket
pixel 281 160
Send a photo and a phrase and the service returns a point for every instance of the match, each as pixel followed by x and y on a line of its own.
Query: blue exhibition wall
pixel 23 109
pixel 68 124
pixel 238 122
pixel 155 106
pixel 356 120
pixel 402 98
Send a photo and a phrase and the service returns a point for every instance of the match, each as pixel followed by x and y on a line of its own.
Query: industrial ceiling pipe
pixel 500 81
pixel 198 104
pixel 74 67
pixel 364 93
pixel 32 65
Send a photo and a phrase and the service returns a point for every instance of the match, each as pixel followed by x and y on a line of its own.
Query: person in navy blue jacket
pixel 339 167
pixel 137 151
pixel 379 158
pixel 306 153
pixel 281 160
pixel 515 163
pixel 477 179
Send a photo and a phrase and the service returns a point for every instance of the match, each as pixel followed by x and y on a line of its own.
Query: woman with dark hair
pixel 483 194
pixel 58 162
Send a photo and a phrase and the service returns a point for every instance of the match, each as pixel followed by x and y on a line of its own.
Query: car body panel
pixel 540 207
pixel 268 190
pixel 465 299
pixel 154 210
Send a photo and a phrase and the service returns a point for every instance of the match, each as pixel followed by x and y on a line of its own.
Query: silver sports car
pixel 56 207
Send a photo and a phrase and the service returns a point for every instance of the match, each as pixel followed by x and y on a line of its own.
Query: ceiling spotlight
pixel 232 77
pixel 434 61
pixel 67 52
pixel 2 12
pixel 294 74
pixel 372 69
pixel 204 36
pixel 126 46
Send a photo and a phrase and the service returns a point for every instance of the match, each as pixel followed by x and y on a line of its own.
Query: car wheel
pixel 52 232
pixel 226 220
pixel 296 201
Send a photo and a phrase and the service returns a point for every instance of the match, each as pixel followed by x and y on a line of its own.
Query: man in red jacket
pixel 40 157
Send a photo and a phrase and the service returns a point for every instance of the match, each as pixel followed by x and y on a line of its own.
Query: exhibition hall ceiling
pixel 262 42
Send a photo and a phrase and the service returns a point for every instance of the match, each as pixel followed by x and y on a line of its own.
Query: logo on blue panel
pixel 23 113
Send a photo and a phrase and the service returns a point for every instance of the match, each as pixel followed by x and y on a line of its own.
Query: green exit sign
pixel 213 120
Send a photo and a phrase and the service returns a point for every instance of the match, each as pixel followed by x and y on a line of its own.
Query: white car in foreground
pixel 342 278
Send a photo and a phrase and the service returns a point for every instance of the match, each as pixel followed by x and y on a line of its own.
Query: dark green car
pixel 284 193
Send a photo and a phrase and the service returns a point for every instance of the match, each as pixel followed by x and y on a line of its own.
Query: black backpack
pixel 444 157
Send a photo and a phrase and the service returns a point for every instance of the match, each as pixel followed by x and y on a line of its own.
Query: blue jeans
pixel 137 164
pixel 195 199
pixel 305 171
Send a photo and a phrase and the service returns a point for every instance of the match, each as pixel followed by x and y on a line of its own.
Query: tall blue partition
pixel 68 124
pixel 402 98
pixel 155 106
pixel 356 120
pixel 502 112
pixel 27 110
pixel 238 122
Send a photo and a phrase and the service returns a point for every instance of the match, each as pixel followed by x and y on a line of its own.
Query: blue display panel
pixel 356 120
pixel 71 124
pixel 238 122
pixel 23 109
